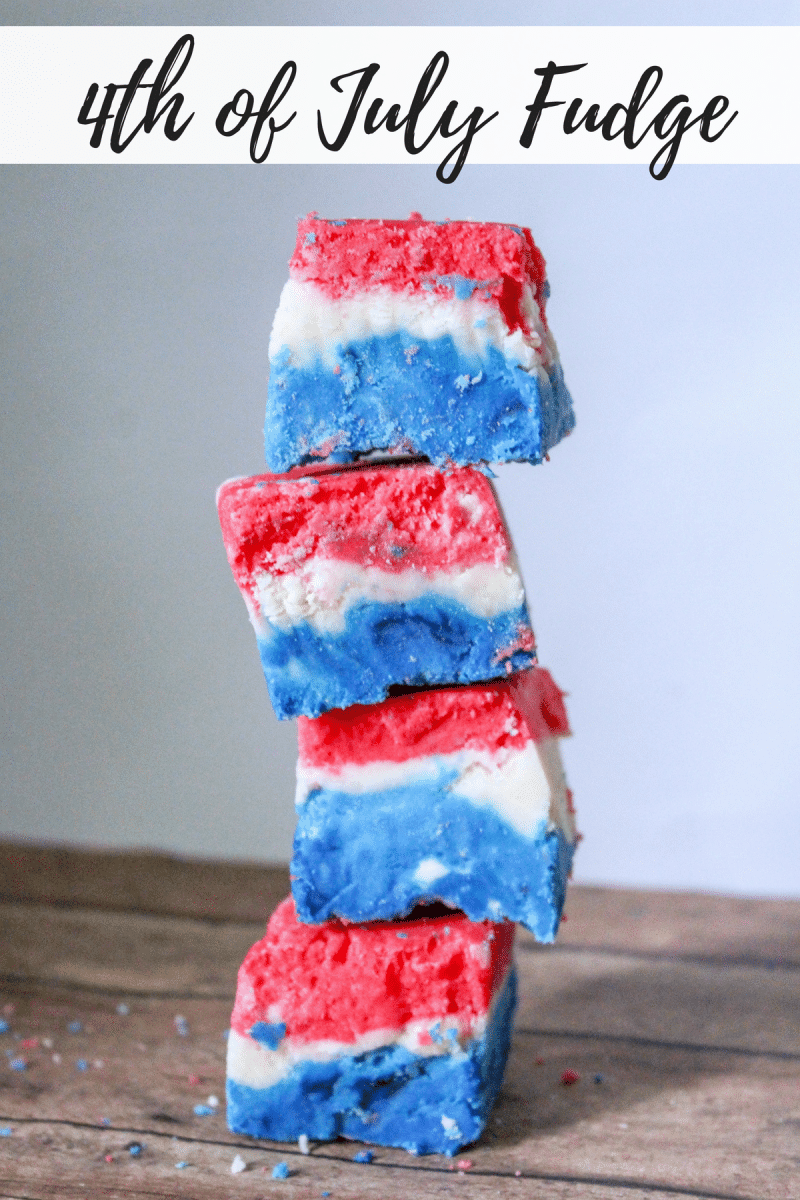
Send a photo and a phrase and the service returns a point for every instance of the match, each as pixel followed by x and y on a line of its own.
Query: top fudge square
pixel 414 337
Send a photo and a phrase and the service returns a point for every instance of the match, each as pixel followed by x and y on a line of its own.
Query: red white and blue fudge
pixel 456 795
pixel 395 1034
pixel 418 337
pixel 358 579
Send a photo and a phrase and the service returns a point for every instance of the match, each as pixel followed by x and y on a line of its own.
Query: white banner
pixel 442 96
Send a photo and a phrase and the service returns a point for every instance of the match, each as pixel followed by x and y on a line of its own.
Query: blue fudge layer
pixel 356 856
pixel 430 640
pixel 425 396
pixel 389 1096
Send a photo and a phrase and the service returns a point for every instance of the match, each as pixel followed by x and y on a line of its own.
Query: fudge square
pixel 392 1033
pixel 422 337
pixel 456 795
pixel 360 579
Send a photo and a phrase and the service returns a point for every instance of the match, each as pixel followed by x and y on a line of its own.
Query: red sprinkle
pixel 109 1158
pixel 194 1080
pixel 569 1077
pixel 539 1062
pixel 464 1164
pixel 563 917
pixel 29 1043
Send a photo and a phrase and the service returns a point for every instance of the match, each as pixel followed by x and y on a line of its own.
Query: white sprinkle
pixel 123 1010
pixel 213 1102
pixel 238 1165
pixel 302 1143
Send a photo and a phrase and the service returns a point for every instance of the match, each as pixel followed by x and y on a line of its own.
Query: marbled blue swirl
pixel 356 856
pixel 389 1096
pixel 422 642
pixel 425 396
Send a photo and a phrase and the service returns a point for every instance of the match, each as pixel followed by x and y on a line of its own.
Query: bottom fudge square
pixel 392 1033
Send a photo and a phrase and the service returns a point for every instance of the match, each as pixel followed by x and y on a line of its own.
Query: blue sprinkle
pixel 326 1193
pixel 82 1064
pixel 4 1026
pixel 182 1026
pixel 17 1064
pixel 363 1156
pixel 181 1164
pixel 267 1034
pixel 7 1132
pixel 203 1110
pixel 280 1171
pixel 599 1078
pixel 104 1121
pixel 123 1010
pixel 226 1033
pixel 402 935
pixel 135 1149
pixel 74 1027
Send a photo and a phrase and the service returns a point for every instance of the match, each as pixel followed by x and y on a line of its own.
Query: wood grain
pixel 693 1035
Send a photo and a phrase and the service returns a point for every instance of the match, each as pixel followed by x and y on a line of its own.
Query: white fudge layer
pixel 322 591
pixel 523 787
pixel 253 1064
pixel 313 326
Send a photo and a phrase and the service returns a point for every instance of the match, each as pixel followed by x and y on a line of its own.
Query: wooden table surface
pixel 679 1012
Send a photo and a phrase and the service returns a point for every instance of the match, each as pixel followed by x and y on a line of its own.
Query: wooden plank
pixel 145 882
pixel 720 1124
pixel 690 1022
pixel 684 924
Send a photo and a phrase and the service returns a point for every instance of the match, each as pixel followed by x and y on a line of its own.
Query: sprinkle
pixel 464 1164
pixel 326 1193
pixel 599 1078
pixel 194 1080
pixel 203 1110
pixel 134 1149
pixel 180 1166
pixel 123 1010
pixel 29 1044
pixel 517 1174
pixel 539 1062
pixel 280 1171
pixel 181 1026
pixel 47 1043
pixel 18 1064
pixel 363 1156
pixel 238 1165
pixel 4 1026
pixel 57 1059
pixel 6 1132
pixel 302 1144
pixel 75 1027
pixel 104 1121
pixel 109 1158
pixel 213 1102
pixel 82 1064
pixel 569 1077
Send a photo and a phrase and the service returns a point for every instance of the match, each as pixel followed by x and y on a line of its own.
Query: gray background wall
pixel 659 545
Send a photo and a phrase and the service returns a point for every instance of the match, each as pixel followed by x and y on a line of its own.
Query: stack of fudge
pixel 392 622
